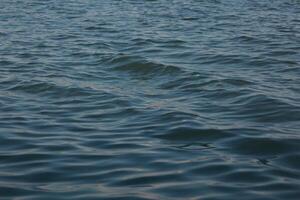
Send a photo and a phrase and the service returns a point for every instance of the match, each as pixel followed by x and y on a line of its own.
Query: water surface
pixel 140 99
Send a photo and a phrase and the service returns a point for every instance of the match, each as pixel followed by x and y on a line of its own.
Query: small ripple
pixel 192 134
pixel 262 146
pixel 148 180
pixel 247 177
pixel 48 88
pixel 142 68
pixel 266 109
pixel 217 169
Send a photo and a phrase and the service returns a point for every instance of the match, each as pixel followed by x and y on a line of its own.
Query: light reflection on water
pixel 149 99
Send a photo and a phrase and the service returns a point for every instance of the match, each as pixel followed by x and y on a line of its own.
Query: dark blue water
pixel 140 99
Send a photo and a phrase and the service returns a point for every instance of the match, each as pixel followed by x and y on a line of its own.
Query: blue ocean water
pixel 149 99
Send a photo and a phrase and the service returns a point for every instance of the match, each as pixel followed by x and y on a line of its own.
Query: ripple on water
pixel 149 99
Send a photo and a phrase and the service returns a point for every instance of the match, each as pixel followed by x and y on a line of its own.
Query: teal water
pixel 140 99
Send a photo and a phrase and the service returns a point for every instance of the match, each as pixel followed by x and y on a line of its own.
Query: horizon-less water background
pixel 136 99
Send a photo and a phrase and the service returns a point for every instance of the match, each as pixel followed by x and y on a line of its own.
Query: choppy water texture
pixel 137 99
